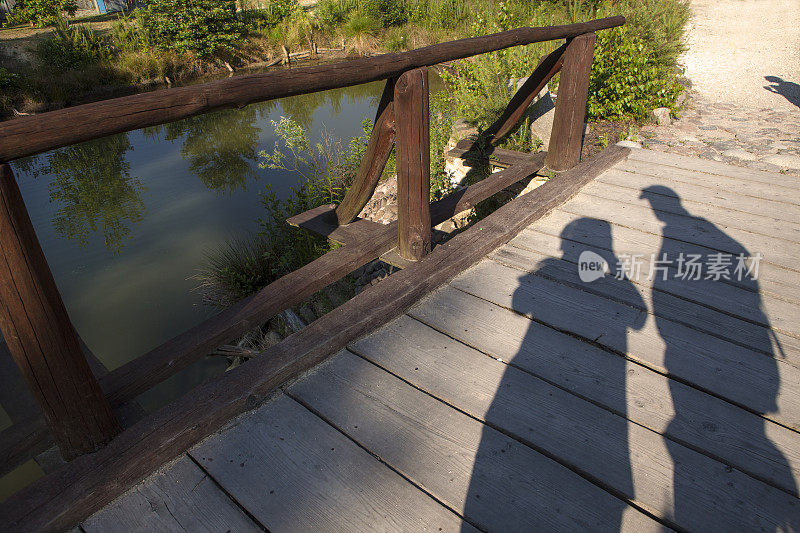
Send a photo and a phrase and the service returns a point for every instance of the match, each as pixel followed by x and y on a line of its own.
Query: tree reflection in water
pixel 92 186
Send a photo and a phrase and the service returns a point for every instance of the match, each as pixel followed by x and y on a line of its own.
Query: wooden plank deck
pixel 518 397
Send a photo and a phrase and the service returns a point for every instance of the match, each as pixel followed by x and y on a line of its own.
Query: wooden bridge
pixel 617 349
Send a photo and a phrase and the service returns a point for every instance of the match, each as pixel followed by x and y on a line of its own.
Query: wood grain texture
pixel 566 139
pixel 761 224
pixel 322 221
pixel 691 229
pixel 726 298
pixel 33 135
pixel 546 69
pixel 499 483
pixel 294 472
pixel 758 383
pixel 717 168
pixel 623 457
pixel 638 175
pixel 41 337
pixel 741 186
pixel 737 437
pixel 181 498
pixel 413 164
pixel 776 283
pixel 379 148
pixel 63 499
pixel 688 313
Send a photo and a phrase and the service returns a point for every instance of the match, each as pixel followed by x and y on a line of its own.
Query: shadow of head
pixel 663 200
pixel 585 230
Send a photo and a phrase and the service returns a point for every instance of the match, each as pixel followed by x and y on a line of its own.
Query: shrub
pixel 627 81
pixel 72 47
pixel 201 27
pixel 128 35
pixel 269 15
pixel 40 13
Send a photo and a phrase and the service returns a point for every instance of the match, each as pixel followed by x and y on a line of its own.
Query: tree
pixel 198 26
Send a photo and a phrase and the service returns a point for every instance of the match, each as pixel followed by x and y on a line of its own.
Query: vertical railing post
pixel 566 139
pixel 413 164
pixel 40 336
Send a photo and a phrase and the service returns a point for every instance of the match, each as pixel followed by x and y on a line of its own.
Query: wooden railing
pixel 79 408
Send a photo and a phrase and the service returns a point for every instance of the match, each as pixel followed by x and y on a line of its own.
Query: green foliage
pixel 263 17
pixel 40 13
pixel 128 35
pixel 201 27
pixel 72 47
pixel 626 81
pixel 7 79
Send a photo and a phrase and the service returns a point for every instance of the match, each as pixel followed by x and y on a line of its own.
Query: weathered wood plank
pixel 629 459
pixel 773 193
pixel 294 472
pixel 566 140
pixel 714 167
pixel 624 176
pixel 32 135
pixel 687 228
pixel 40 335
pixel 781 284
pixel 763 449
pixel 413 164
pixel 86 485
pixel 181 498
pixel 494 481
pixel 752 223
pixel 725 297
pixel 691 314
pixel 497 157
pixel 376 155
pixel 322 221
pixel 761 384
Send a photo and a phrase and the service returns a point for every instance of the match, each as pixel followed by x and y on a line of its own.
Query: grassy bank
pixel 98 58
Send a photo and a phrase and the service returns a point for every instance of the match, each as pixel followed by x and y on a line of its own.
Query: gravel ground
pixel 742 51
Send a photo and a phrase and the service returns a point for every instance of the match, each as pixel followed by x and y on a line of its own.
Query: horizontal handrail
pixel 55 129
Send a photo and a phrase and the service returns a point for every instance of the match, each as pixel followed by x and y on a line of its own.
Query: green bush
pixel 201 27
pixel 7 79
pixel 127 33
pixel 626 80
pixel 40 13
pixel 72 47
pixel 262 18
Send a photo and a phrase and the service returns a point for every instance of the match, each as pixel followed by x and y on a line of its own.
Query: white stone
pixel 660 116
pixel 783 160
pixel 542 113
pixel 629 144
pixel 738 153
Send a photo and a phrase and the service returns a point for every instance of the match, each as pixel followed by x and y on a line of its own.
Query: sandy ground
pixel 739 49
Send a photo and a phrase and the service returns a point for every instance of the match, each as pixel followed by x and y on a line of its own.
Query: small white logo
pixel 591 266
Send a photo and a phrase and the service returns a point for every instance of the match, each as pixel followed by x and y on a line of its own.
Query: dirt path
pixel 744 106
pixel 739 47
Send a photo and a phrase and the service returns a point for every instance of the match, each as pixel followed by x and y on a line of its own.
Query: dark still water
pixel 126 221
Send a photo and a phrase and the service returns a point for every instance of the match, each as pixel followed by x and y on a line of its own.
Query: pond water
pixel 127 220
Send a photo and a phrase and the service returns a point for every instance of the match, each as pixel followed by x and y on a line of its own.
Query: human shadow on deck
pixel 676 253
pixel 612 444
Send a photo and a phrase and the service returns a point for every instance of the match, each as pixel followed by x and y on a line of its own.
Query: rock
pixel 462 130
pixel 629 144
pixel 738 153
pixel 660 116
pixel 783 160
pixel 679 101
pixel 542 113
